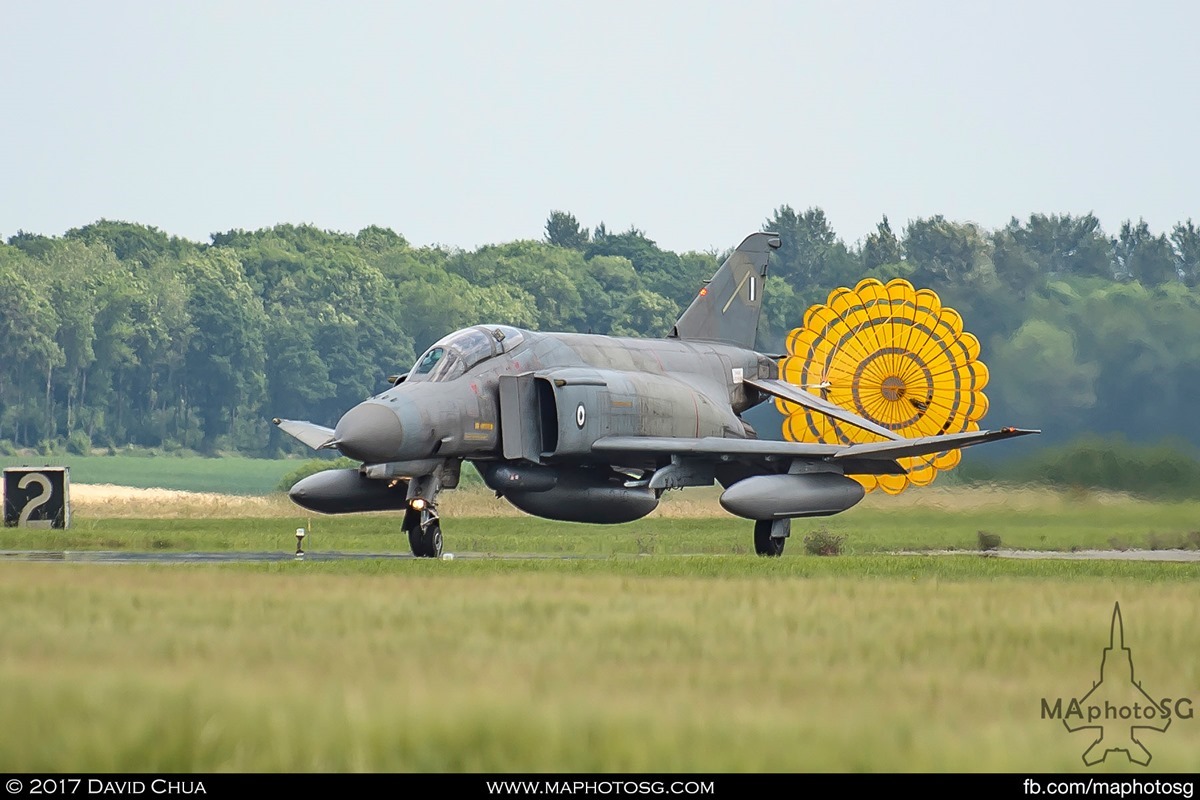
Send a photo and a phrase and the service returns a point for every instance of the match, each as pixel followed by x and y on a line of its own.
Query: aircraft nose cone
pixel 369 432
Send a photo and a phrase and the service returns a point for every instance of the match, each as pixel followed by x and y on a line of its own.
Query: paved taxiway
pixel 229 557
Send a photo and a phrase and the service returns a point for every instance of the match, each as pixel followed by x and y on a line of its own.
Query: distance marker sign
pixel 37 497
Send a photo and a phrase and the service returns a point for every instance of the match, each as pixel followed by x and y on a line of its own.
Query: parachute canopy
pixel 894 355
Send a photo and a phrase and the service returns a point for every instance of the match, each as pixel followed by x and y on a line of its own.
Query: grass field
pixel 686 522
pixel 463 667
pixel 637 658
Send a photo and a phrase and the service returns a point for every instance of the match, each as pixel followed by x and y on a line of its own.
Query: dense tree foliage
pixel 119 333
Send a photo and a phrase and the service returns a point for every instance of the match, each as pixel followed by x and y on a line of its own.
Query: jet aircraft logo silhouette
pixel 1119 702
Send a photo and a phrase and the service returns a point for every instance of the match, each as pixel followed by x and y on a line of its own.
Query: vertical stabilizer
pixel 727 308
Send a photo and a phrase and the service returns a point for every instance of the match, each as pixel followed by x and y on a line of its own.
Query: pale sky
pixel 467 123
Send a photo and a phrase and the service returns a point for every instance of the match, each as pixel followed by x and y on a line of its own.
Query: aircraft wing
pixel 315 436
pixel 794 394
pixel 857 457
pixel 925 445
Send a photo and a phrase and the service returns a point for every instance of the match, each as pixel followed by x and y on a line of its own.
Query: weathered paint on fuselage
pixel 661 387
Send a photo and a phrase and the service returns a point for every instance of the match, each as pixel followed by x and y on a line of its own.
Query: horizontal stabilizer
pixel 315 436
pixel 794 394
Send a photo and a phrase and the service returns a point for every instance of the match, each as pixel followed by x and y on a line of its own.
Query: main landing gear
pixel 770 535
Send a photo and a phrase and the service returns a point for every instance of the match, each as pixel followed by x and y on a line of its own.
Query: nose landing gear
pixel 421 521
pixel 424 532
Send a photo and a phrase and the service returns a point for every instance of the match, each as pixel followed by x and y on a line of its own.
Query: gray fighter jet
pixel 589 428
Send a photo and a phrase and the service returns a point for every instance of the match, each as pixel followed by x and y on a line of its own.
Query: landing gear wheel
pixel 764 543
pixel 425 538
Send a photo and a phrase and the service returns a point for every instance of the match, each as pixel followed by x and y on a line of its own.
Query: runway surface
pixel 1072 555
pixel 229 556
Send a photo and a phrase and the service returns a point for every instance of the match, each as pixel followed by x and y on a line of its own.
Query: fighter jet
pixel 593 428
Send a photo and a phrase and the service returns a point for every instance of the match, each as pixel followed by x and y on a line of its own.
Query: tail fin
pixel 727 308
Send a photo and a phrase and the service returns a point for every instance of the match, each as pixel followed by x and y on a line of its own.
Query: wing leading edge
pixel 315 436
pixel 717 448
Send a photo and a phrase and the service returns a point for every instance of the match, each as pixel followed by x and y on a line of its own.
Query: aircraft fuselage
pixel 608 385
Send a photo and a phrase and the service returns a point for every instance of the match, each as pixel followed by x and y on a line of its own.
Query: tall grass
pixel 606 651
pixel 441 669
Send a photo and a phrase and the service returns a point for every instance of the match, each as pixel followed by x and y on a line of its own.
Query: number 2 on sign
pixel 36 502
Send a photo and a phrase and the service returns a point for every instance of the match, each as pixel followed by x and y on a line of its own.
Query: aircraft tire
pixel 434 534
pixel 764 543
pixel 415 544
pixel 425 539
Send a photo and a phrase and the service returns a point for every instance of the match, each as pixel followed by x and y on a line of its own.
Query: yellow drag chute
pixel 894 355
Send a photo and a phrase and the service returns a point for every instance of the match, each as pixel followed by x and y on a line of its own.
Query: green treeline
pixel 118 333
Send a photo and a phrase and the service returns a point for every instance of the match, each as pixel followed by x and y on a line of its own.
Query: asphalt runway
pixel 232 557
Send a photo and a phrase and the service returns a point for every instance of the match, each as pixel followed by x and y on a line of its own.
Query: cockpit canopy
pixel 453 355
